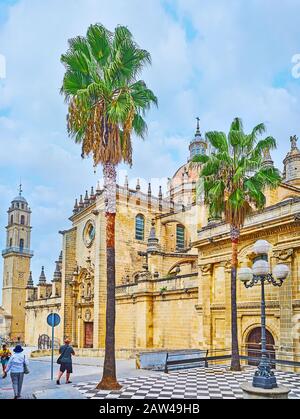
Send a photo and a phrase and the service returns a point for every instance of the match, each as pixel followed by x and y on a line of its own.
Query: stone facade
pixel 172 271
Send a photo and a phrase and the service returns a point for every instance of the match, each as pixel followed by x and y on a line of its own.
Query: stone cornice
pixel 63 232
pixel 171 214
pixel 85 305
pixel 291 187
pixel 254 305
pixel 33 306
pixel 156 281
pixel 284 221
pixel 175 254
pixel 142 294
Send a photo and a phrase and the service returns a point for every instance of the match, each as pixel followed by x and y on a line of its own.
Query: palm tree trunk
pixel 235 360
pixel 109 379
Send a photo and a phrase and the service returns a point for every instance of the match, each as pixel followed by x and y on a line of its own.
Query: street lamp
pixel 260 272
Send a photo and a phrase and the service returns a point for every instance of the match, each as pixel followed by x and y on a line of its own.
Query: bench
pixel 185 360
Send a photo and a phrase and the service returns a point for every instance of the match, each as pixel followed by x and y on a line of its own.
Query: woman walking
pixel 5 354
pixel 65 360
pixel 18 366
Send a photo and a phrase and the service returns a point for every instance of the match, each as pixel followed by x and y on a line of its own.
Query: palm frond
pixel 218 140
pixel 237 125
pixel 267 144
pixel 99 40
pixel 269 177
pixel 140 126
pixel 200 158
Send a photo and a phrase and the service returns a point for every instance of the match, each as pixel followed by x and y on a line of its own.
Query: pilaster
pixel 205 304
pixel 285 256
pixel 144 312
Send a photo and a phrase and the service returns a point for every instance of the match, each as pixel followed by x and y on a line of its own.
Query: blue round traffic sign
pixel 53 319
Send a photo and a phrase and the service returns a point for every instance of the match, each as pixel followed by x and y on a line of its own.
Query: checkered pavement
pixel 200 383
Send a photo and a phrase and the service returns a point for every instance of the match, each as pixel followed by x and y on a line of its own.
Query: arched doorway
pixel 253 346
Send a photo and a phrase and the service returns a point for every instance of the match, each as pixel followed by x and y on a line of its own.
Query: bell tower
pixel 16 265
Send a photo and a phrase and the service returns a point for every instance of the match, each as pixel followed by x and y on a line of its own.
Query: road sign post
pixel 53 320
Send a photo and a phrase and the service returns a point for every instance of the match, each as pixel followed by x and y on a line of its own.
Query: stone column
pixel 286 307
pixel 227 266
pixel 205 304
pixel 74 319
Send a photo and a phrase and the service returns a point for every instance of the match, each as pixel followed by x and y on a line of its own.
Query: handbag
pixel 60 357
pixel 26 369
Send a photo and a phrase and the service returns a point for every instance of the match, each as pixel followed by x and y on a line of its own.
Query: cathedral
pixel 172 270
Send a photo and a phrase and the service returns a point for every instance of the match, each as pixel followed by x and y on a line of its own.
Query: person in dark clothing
pixel 66 352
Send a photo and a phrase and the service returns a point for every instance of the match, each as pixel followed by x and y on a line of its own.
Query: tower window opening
pixel 12 219
pixel 139 227
pixel 21 245
pixel 10 242
pixel 22 219
pixel 180 237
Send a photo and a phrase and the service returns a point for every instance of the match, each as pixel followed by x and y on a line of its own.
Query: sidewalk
pixel 59 393
pixel 38 382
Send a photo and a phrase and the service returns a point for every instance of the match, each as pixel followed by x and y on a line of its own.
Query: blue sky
pixel 214 59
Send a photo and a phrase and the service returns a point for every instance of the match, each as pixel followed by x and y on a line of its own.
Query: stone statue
pixel 294 140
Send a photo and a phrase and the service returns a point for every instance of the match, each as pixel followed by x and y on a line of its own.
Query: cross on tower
pixel 198 125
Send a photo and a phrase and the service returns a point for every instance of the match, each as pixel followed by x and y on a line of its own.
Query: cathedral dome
pixel 186 173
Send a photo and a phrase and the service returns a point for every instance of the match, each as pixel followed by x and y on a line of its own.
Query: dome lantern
pixel 198 145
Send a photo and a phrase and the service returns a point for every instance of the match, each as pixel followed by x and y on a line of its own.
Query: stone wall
pixel 158 314
pixel 36 320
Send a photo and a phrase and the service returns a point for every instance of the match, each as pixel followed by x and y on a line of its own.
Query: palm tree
pixel 106 105
pixel 234 178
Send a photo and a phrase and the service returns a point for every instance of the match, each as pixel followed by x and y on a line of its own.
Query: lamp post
pixel 260 273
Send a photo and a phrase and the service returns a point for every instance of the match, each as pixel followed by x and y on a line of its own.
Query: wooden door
pixel 254 346
pixel 88 335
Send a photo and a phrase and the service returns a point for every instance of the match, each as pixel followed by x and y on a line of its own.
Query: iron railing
pixel 19 250
pixel 221 356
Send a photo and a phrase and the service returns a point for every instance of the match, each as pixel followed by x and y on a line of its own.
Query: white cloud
pixel 226 69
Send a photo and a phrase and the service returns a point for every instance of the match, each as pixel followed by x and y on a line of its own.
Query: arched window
pixel 21 244
pixel 22 219
pixel 180 237
pixel 10 242
pixel 11 219
pixel 140 227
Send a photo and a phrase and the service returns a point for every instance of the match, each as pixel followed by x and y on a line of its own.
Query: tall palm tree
pixel 106 105
pixel 234 179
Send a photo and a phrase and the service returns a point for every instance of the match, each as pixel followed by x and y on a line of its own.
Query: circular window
pixel 89 233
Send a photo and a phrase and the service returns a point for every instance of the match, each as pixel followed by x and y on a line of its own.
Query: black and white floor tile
pixel 202 383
